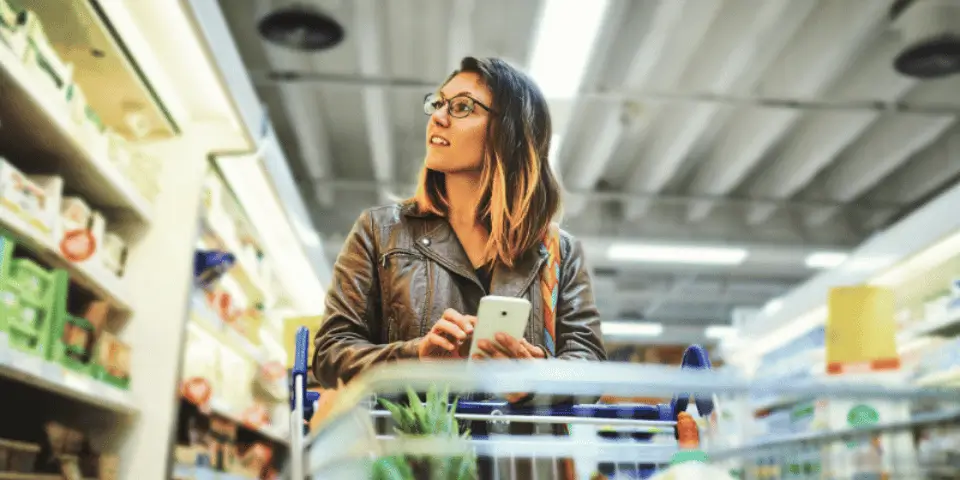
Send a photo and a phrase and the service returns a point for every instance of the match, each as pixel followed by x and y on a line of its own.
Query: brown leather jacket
pixel 399 269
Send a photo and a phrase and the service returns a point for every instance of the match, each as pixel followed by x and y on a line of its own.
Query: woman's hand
pixel 448 337
pixel 508 347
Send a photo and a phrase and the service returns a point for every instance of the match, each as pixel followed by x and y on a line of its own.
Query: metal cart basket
pixel 871 428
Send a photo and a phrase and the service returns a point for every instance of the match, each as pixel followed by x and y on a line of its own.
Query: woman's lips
pixel 438 141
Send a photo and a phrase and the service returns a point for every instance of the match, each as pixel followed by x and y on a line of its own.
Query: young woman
pixel 410 276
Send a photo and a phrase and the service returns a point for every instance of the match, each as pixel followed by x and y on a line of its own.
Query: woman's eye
pixel 461 106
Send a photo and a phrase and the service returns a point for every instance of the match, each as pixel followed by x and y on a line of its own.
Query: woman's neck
pixel 463 194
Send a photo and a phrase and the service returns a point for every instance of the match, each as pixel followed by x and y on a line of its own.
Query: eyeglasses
pixel 459 106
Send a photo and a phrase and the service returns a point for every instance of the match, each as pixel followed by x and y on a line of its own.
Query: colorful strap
pixel 550 287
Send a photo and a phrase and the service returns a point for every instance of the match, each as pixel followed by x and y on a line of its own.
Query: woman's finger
pixel 449 328
pixel 535 352
pixel 511 346
pixel 440 341
pixel 460 320
pixel 491 350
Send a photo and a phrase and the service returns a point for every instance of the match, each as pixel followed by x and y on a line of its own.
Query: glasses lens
pixel 431 103
pixel 461 106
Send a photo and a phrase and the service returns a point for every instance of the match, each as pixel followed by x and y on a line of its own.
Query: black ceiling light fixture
pixel 931 34
pixel 301 27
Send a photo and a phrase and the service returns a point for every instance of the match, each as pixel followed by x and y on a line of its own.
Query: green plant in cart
pixel 432 419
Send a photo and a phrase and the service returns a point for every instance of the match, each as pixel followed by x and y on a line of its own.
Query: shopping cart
pixel 632 441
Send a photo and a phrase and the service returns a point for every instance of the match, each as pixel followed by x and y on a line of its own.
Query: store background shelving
pixel 143 179
pixel 918 259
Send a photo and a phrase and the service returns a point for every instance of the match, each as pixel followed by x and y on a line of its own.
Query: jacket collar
pixel 438 241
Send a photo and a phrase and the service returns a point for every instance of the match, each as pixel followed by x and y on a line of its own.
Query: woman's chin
pixel 444 165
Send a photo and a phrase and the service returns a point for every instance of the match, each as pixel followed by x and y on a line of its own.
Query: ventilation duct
pixel 930 31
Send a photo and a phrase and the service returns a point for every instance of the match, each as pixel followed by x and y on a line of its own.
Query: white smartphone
pixel 500 314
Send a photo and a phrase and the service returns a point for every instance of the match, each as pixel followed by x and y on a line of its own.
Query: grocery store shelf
pixel 243 272
pixel 30 476
pixel 945 323
pixel 206 320
pixel 220 409
pixel 52 377
pixel 944 378
pixel 188 472
pixel 36 126
pixel 90 275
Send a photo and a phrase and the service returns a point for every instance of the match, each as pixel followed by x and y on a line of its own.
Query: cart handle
pixel 300 363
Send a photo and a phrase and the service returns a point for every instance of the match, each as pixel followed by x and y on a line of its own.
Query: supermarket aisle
pixel 774 181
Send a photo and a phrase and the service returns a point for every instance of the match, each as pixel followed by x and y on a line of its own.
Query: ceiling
pixel 764 124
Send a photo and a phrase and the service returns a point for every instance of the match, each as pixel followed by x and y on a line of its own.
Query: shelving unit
pixel 925 282
pixel 215 345
pixel 41 129
pixel 89 275
pixel 96 118
pixel 42 135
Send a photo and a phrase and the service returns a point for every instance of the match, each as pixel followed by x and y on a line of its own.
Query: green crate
pixel 27 323
pixel 33 282
pixel 29 327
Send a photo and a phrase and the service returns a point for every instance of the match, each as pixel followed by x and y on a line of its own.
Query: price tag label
pixel 27 363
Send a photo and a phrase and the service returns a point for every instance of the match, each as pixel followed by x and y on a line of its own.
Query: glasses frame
pixel 447 103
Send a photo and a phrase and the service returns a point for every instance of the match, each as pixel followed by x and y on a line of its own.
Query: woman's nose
pixel 441 117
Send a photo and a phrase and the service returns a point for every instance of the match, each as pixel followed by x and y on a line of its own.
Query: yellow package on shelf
pixel 290 327
pixel 861 330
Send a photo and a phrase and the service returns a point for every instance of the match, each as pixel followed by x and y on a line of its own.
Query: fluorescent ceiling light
pixel 677 254
pixel 825 259
pixel 565 37
pixel 641 329
pixel 720 332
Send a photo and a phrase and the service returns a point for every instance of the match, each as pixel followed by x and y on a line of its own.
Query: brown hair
pixel 519 194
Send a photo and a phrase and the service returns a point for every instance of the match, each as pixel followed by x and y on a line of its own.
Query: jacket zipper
pixel 427 306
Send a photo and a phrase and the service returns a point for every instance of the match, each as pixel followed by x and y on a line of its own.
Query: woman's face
pixel 456 145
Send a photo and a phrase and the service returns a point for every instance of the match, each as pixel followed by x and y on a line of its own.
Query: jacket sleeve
pixel 347 341
pixel 578 320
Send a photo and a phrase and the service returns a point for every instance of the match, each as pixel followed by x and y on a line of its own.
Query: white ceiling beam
pixel 567 116
pixel 927 172
pixel 742 40
pixel 818 139
pixel 890 142
pixel 813 60
pixel 302 104
pixel 821 136
pixel 664 46
pixel 376 102
pixel 652 49
pixel 597 149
